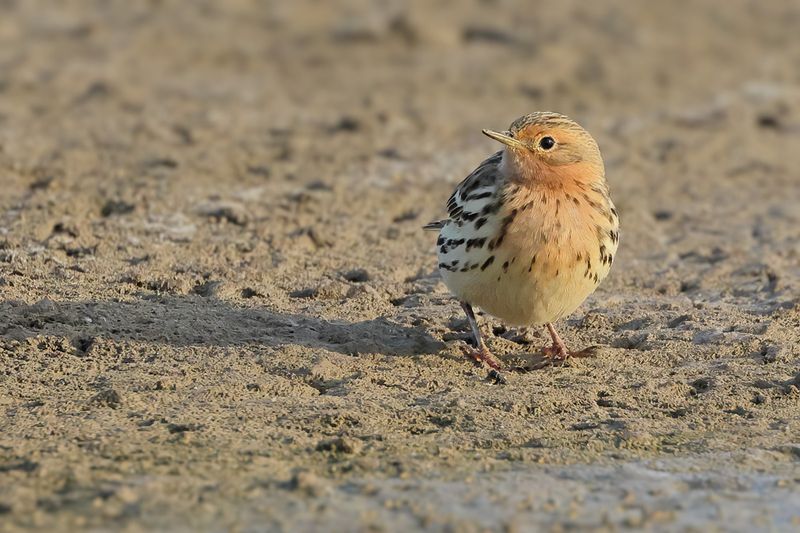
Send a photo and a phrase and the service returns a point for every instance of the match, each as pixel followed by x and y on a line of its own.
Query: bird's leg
pixel 480 353
pixel 558 351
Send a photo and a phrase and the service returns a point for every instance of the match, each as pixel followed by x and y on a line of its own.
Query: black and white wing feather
pixel 473 194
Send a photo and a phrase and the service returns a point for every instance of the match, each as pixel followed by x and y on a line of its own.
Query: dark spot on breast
pixel 488 262
pixel 480 222
pixel 497 241
pixel 445 266
pixel 576 201
pixel 505 266
pixel 527 206
pixel 440 241
pixel 533 262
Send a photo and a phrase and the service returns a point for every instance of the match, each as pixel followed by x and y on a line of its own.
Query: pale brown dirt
pixel 219 311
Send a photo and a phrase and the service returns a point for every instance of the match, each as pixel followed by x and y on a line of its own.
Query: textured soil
pixel 218 309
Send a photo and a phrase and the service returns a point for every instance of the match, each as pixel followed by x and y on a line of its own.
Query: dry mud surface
pixel 219 311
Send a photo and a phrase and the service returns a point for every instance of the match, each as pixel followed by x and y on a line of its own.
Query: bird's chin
pixel 526 167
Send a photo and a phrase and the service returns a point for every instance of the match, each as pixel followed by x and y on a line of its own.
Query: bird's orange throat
pixel 526 169
pixel 572 193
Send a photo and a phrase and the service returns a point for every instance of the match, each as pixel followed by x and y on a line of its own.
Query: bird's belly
pixel 519 297
pixel 516 283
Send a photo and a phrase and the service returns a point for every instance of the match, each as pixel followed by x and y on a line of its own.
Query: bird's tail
pixel 434 226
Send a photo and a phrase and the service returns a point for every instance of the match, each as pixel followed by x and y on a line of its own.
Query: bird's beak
pixel 505 138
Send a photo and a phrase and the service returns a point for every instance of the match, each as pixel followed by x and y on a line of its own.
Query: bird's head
pixel 546 146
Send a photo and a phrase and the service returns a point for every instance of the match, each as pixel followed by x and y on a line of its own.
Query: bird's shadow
pixel 195 320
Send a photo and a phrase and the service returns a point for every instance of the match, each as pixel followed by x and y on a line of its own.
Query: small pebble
pixel 358 275
pixel 106 398
pixel 496 377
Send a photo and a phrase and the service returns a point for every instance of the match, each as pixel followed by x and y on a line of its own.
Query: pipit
pixel 532 231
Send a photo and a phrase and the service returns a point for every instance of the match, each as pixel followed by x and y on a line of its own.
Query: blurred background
pixel 208 207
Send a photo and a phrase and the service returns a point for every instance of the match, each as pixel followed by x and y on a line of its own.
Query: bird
pixel 531 232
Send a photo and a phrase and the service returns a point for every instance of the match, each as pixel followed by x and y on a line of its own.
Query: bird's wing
pixel 472 194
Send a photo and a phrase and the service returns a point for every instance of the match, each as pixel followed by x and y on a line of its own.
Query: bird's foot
pixel 555 354
pixel 559 353
pixel 481 356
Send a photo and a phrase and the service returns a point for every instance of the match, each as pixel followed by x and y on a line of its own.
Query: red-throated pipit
pixel 532 231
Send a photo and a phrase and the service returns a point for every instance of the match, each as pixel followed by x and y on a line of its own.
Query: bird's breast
pixel 536 258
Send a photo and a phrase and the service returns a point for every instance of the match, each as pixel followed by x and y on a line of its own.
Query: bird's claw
pixel 559 354
pixel 481 356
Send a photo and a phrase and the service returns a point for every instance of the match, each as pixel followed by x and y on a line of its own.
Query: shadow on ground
pixel 193 320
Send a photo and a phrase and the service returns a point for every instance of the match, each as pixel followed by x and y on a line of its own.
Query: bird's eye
pixel 547 143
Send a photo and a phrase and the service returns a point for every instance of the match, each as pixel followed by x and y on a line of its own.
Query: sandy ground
pixel 218 310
